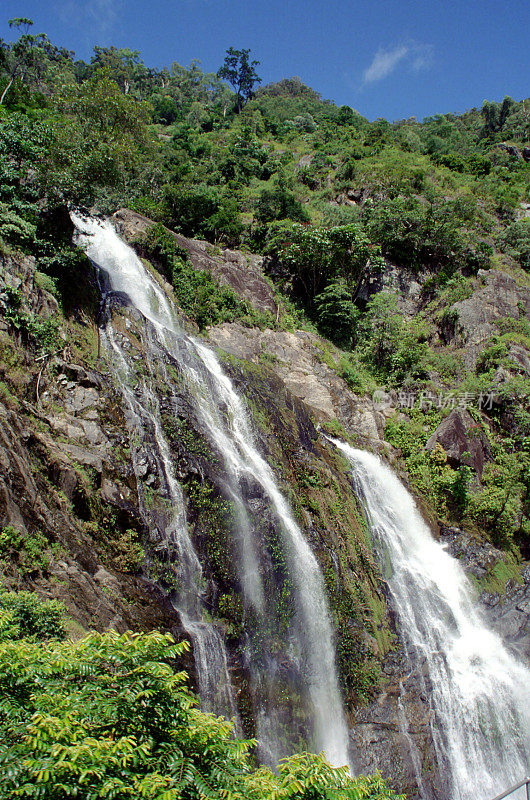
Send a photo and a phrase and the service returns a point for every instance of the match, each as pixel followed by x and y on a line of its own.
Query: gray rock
pixel 509 613
pixel 523 212
pixel 520 357
pixel 392 733
pixel 491 599
pixel 477 316
pixel 81 399
pixel 19 273
pixel 305 161
pixel 459 435
pixel 297 359
pixel 241 271
pixel 87 458
pixel 511 149
pixel 404 283
pixel 92 432
pixel 113 493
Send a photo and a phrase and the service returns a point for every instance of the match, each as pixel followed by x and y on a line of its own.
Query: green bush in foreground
pixel 108 717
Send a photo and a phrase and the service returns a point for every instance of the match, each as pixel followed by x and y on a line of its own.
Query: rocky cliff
pixel 70 501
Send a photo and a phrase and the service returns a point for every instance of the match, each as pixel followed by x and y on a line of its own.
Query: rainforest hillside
pixel 368 280
pixel 340 207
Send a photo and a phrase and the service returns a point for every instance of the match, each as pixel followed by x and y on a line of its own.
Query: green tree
pixel 240 73
pixel 101 138
pixel 316 256
pixel 27 60
pixel 108 716
pixel 126 68
pixel 336 313
pixel 380 331
pixel 496 114
pixel 18 57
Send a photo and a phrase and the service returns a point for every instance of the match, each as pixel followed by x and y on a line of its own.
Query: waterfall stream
pixel 479 693
pixel 170 529
pixel 303 642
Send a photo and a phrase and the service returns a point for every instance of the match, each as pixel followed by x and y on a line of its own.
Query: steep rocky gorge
pixel 68 486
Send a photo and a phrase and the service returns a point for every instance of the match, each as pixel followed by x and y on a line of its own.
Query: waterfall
pixel 479 692
pixel 225 417
pixel 145 425
pixel 169 530
pixel 300 654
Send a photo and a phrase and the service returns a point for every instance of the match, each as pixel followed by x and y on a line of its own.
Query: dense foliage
pixel 109 716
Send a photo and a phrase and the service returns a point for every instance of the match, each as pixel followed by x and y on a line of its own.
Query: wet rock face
pixel 241 271
pixel 297 359
pixel 393 734
pixel 507 611
pixel 476 557
pixel 510 616
pixel 65 486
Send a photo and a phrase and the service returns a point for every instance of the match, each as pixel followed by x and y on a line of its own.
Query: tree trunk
pixel 6 90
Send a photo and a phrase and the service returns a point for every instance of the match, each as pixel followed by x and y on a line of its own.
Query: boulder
pixel 463 441
pixel 510 615
pixel 476 317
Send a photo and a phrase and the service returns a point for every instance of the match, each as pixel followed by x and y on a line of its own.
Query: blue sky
pixel 386 58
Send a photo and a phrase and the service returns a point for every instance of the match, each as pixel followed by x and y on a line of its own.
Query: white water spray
pixel 479 693
pixel 143 416
pixel 224 417
pixel 234 438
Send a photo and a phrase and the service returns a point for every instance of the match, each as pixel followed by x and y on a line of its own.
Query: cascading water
pixel 169 529
pixel 225 417
pixel 306 641
pixel 479 693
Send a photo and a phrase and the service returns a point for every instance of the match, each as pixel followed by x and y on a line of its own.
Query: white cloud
pixel 103 13
pixel 418 56
pixel 423 55
pixel 95 17
pixel 384 62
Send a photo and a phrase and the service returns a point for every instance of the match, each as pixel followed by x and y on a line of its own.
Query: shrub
pixel 279 203
pixel 107 715
pixel 416 234
pixel 25 550
pixel 202 211
pixel 30 617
